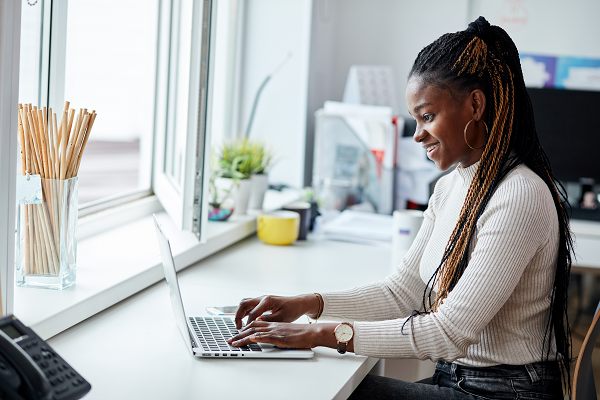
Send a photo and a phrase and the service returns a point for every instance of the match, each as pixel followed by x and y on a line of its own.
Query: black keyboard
pixel 212 334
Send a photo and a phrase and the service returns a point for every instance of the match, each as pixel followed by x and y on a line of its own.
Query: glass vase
pixel 47 237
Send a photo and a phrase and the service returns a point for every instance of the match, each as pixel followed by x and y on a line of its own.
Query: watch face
pixel 343 333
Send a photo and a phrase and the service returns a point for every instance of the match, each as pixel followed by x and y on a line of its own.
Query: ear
pixel 478 104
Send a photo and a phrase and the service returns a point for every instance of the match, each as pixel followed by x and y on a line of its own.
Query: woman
pixel 483 289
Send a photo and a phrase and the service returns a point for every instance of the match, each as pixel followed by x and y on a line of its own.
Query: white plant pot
pixel 224 186
pixel 242 196
pixel 240 193
pixel 260 184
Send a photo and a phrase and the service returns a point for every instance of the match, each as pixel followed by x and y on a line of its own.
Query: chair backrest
pixel 584 387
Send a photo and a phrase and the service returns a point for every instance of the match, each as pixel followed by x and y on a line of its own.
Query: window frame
pixel 10 48
pixel 185 204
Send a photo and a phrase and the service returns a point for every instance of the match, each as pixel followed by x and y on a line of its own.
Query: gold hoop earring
pixel 486 132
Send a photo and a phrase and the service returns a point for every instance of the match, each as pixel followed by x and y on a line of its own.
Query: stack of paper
pixel 355 226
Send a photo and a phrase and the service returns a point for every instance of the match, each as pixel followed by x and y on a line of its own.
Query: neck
pixel 472 158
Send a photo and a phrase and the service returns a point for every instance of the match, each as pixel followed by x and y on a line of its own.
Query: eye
pixel 428 117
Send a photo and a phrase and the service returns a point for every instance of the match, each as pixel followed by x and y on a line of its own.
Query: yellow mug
pixel 279 228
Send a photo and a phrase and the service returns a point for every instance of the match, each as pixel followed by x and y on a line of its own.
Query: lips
pixel 432 146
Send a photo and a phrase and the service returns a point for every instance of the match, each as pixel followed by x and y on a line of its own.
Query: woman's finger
pixel 246 305
pixel 243 337
pixel 255 324
pixel 284 335
pixel 248 330
pixel 262 307
pixel 274 317
pixel 256 337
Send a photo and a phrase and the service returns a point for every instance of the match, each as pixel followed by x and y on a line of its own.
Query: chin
pixel 442 166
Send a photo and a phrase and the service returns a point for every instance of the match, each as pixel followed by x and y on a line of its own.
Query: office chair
pixel 584 387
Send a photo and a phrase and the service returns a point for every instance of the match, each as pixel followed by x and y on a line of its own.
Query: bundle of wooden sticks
pixel 54 152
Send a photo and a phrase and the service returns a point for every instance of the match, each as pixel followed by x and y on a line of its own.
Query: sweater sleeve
pixel 396 296
pixel 509 233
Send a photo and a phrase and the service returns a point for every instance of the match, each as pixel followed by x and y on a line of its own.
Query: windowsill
pixel 115 263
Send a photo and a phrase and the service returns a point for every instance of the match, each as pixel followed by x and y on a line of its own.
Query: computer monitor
pixel 568 131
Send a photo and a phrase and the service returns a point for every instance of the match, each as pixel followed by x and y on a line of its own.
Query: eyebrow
pixel 417 108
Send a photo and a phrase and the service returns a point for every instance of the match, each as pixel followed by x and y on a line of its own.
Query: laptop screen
pixel 171 278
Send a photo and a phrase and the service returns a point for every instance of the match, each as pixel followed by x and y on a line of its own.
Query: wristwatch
pixel 343 334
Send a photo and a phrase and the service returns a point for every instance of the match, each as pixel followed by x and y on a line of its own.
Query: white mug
pixel 406 225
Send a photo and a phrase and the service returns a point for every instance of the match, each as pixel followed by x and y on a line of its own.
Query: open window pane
pixel 111 51
pixel 182 99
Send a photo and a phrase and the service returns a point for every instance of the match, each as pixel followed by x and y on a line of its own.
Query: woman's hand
pixel 283 309
pixel 286 335
pixel 281 334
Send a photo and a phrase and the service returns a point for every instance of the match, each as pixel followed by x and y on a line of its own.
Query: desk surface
pixel 134 349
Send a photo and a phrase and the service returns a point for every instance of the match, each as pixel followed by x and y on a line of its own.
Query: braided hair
pixel 484 57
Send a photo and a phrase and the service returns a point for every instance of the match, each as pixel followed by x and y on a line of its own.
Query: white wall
pixel 546 27
pixel 371 32
pixel 272 29
pixel 336 34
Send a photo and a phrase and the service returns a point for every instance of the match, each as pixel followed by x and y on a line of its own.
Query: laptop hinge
pixel 192 341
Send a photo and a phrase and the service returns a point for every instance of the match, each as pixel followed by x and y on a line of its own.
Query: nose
pixel 420 134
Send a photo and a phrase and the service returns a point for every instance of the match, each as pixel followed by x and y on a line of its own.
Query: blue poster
pixel 538 71
pixel 577 73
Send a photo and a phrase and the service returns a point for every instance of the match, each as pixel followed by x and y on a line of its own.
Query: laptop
pixel 206 337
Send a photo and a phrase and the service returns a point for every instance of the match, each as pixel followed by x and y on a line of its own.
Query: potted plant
pixel 220 204
pixel 246 160
pixel 260 160
pixel 234 173
pixel 222 188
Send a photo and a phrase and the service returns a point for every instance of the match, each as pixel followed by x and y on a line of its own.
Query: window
pixel 143 65
pixel 196 89
pixel 110 66
pixel 182 100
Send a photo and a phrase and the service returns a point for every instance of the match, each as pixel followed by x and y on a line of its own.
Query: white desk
pixel 587 246
pixel 134 349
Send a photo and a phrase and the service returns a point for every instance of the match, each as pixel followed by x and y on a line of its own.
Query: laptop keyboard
pixel 213 332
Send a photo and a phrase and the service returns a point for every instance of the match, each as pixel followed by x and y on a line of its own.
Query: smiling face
pixel 441 120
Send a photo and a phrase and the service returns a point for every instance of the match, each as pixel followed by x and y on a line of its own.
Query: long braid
pixel 496 147
pixel 484 57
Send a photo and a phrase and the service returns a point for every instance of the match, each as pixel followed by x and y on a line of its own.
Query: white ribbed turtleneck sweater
pixel 498 311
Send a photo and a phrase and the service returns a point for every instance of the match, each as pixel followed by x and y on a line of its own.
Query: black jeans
pixel 452 381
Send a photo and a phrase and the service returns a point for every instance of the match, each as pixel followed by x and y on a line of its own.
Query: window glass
pixel 224 72
pixel 29 68
pixel 110 63
pixel 179 79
